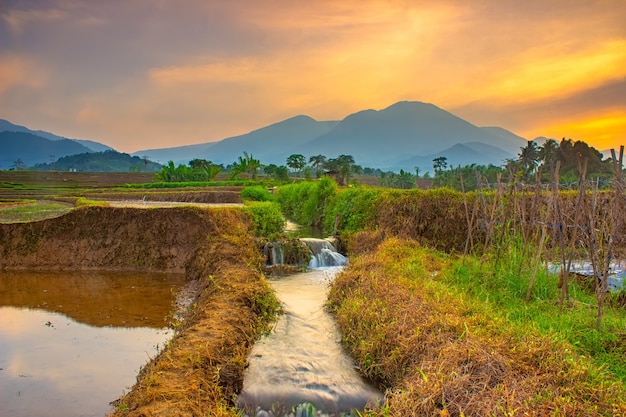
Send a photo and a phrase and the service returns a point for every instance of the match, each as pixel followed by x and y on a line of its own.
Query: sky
pixel 142 74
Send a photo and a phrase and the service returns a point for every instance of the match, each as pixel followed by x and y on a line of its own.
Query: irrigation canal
pixel 301 363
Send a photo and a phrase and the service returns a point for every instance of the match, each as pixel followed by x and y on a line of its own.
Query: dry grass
pixel 201 370
pixel 438 355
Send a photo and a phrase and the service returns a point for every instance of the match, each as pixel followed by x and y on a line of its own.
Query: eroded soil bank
pixel 113 239
pixel 201 369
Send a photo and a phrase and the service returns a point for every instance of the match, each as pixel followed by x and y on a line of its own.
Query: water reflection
pixel 99 298
pixel 52 364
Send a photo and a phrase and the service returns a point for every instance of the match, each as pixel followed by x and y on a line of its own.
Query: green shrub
pixel 292 199
pixel 267 218
pixel 256 193
pixel 352 209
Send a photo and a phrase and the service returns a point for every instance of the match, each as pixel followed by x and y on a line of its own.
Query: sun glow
pixel 603 131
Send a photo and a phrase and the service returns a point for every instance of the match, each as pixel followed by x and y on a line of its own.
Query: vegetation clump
pixel 256 193
pixel 267 219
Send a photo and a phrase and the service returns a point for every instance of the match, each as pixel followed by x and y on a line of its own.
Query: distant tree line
pixel 106 161
pixel 533 163
pixel 342 169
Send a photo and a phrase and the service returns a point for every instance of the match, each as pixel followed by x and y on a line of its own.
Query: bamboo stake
pixel 468 242
pixel 615 217
pixel 582 173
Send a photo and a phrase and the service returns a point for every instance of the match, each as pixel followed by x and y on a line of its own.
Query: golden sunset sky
pixel 140 74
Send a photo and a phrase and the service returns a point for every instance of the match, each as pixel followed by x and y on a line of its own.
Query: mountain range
pixel 33 147
pixel 403 136
pixel 406 135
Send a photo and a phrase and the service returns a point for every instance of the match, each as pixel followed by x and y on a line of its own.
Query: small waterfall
pixel 324 253
pixel 301 369
pixel 297 252
pixel 278 255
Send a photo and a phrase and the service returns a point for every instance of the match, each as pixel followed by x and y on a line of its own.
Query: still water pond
pixel 72 342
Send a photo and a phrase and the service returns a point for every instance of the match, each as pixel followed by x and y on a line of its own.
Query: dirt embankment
pixel 201 369
pixel 108 238
pixel 217 195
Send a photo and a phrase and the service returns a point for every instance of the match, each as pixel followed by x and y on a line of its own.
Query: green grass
pixel 32 212
pixel 502 293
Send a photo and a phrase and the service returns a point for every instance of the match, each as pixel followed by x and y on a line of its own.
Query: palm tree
pixel 345 163
pixel 529 156
pixel 549 152
pixel 168 172
pixel 296 162
pixel 211 171
pixel 238 168
pixel 317 161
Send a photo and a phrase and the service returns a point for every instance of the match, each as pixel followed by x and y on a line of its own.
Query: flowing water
pixel 302 361
pixel 616 273
pixel 71 342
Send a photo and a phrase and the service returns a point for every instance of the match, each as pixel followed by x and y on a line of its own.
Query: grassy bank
pixel 201 370
pixel 442 335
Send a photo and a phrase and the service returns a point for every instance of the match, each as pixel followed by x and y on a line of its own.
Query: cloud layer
pixel 141 74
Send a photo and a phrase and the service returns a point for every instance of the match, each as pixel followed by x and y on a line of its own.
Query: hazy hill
pixel 460 154
pixel 510 142
pixel 178 154
pixel 271 144
pixel 32 149
pixel 404 135
pixel 6 126
pixel 386 138
pixel 107 161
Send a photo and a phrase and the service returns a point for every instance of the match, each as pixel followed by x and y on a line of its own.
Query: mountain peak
pixel 412 105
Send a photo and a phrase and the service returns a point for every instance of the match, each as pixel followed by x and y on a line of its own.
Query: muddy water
pixel 70 343
pixel 302 360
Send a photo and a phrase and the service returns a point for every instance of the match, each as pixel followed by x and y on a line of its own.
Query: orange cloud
pixel 206 70
pixel 603 131
pixel 16 71
pixel 547 73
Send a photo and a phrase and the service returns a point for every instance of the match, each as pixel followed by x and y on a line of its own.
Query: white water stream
pixel 302 360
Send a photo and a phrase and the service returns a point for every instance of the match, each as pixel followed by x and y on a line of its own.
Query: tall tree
pixel 296 162
pixel 239 168
pixel 253 166
pixel 345 167
pixel 317 161
pixel 549 152
pixel 440 164
pixel 18 164
pixel 529 156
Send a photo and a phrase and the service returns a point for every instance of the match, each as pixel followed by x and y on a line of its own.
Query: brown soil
pixel 109 238
pixel 191 195
pixel 201 369
pixel 75 179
